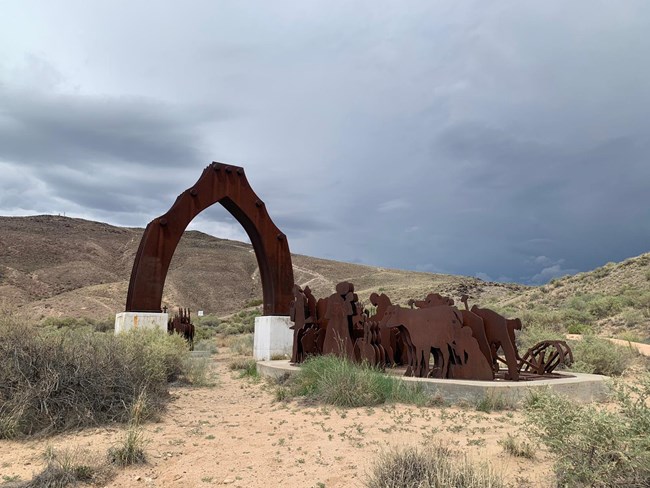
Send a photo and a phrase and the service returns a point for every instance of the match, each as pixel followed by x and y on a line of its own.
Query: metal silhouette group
pixel 432 338
pixel 181 323
pixel 463 343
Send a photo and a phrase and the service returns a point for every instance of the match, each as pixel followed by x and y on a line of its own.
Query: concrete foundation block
pixel 125 321
pixel 273 337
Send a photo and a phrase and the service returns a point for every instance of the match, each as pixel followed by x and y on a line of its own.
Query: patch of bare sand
pixel 236 434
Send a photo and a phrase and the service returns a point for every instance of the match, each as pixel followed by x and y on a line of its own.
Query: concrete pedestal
pixel 273 337
pixel 125 321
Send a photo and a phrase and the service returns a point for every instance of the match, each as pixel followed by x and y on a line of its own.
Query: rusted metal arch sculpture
pixel 227 185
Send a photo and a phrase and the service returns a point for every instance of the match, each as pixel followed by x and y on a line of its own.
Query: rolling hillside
pixel 52 266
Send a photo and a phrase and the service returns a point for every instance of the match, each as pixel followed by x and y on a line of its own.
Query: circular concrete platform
pixel 580 387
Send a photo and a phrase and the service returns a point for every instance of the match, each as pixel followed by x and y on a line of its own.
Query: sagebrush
pixel 594 445
pixel 57 379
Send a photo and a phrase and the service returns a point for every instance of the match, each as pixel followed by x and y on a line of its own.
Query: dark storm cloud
pixel 47 129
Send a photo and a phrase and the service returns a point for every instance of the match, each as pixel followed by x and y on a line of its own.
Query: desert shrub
pixel 246 367
pixel 596 446
pixel 207 321
pixel 255 302
pixel 203 333
pixel 337 381
pixel 606 306
pixel 599 356
pixel 101 325
pixel 579 329
pixel 240 323
pixel 58 379
pixel 130 450
pixel 517 448
pixel 242 345
pixel 206 345
pixel 436 467
pixel 532 334
pixel 632 317
pixel 494 402
pixel 198 371
pixel 68 467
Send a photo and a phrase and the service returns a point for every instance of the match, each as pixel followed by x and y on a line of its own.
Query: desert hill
pixel 613 300
pixel 53 266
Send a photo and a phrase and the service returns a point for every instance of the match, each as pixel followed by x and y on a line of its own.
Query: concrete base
pixel 125 321
pixel 580 387
pixel 273 337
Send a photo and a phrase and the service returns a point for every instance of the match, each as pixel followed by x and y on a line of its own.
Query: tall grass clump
pixel 436 467
pixel 595 446
pixel 337 381
pixel 58 379
pixel 131 448
pixel 68 467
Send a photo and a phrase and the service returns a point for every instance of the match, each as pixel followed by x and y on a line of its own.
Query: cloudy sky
pixel 507 140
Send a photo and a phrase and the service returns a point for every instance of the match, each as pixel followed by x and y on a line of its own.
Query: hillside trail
pixel 640 347
pixel 237 434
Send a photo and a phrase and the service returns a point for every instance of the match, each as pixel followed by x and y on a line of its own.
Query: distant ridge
pixel 54 266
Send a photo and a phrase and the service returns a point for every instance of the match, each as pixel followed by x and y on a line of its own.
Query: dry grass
pixel 436 467
pixel 56 380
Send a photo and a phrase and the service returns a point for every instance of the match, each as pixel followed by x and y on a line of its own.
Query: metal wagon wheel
pixel 545 356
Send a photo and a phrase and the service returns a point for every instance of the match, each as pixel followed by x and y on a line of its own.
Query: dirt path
pixel 642 348
pixel 236 434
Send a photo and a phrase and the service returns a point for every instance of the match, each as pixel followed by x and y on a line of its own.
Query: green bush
pixel 207 321
pixel 337 381
pixel 240 323
pixel 242 345
pixel 58 379
pixel 517 448
pixel 599 356
pixel 102 325
pixel 436 467
pixel 255 302
pixel 596 446
pixel 246 368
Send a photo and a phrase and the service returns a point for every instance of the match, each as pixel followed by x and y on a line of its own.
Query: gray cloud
pixel 503 140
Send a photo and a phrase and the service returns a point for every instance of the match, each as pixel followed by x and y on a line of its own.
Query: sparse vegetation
pixel 493 402
pixel 59 379
pixel 337 381
pixel 517 448
pixel 593 445
pixel 69 467
pixel 436 467
pixel 131 448
pixel 246 367
pixel 242 344
pixel 101 325
pixel 242 322
pixel 599 356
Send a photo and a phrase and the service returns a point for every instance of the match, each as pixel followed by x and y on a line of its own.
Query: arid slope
pixel 52 266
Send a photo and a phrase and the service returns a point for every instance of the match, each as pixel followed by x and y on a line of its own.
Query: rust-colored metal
pixel 545 356
pixel 464 344
pixel 305 329
pixel 182 324
pixel 227 185
pixel 340 310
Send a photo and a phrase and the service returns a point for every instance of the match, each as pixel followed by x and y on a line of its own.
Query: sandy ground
pixel 236 434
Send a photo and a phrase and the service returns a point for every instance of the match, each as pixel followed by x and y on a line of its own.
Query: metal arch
pixel 227 185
